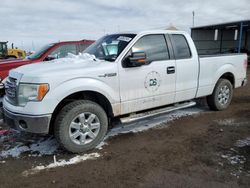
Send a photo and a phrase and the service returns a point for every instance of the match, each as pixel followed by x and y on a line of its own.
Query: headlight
pixel 31 92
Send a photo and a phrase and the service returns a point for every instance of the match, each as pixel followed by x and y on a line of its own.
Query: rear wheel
pixel 81 126
pixel 222 95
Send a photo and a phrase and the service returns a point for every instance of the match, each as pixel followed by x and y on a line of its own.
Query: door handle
pixel 170 70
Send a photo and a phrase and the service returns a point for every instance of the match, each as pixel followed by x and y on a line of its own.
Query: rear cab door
pixel 187 66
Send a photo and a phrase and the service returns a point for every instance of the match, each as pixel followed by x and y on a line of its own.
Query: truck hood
pixel 72 66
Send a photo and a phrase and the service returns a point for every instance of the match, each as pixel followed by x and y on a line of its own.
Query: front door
pixel 149 85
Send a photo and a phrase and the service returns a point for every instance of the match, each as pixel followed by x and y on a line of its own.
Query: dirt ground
pixel 209 149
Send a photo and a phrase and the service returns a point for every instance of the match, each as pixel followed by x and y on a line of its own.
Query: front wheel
pixel 81 126
pixel 221 96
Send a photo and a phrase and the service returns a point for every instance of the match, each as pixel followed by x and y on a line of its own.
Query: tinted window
pixel 181 47
pixel 63 51
pixel 154 46
pixel 82 47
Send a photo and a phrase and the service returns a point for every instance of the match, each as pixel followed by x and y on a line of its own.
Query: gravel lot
pixel 191 148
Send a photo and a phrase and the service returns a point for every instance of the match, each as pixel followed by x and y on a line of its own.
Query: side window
pixel 181 47
pixel 63 51
pixel 154 46
pixel 82 47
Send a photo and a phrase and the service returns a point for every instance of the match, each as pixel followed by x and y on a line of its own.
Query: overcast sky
pixel 44 21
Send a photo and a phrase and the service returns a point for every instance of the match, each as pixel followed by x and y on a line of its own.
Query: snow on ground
pixel 237 157
pixel 37 146
pixel 243 143
pixel 232 122
pixel 152 122
pixel 16 144
pixel 234 159
pixel 61 163
pixel 42 146
pixel 148 123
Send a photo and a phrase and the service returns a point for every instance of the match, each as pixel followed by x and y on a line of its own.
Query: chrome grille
pixel 11 90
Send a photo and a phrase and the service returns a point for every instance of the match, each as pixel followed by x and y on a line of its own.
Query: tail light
pixel 245 63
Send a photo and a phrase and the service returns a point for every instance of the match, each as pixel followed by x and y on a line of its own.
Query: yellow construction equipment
pixel 11 53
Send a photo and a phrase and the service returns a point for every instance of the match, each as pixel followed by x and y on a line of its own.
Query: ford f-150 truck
pixel 120 74
pixel 46 53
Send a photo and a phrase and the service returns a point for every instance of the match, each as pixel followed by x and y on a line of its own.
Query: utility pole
pixel 193 17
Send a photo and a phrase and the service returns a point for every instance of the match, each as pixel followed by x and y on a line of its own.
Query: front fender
pixel 84 84
pixel 61 91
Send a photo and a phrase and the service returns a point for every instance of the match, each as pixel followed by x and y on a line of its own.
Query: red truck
pixel 47 53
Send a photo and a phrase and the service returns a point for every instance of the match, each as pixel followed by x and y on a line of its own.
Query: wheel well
pixel 86 95
pixel 229 76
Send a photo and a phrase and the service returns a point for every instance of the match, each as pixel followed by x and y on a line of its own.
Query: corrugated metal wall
pixel 225 43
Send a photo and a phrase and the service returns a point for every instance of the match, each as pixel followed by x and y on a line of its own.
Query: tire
pixel 76 126
pixel 11 57
pixel 222 95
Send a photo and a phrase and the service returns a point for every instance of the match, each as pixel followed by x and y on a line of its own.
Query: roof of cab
pixel 144 32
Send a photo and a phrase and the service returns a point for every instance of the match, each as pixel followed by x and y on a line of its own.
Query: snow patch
pixel 234 159
pixel 157 121
pixel 226 122
pixel 15 144
pixel 100 146
pixel 72 58
pixel 42 147
pixel 75 160
pixel 231 122
pixel 243 143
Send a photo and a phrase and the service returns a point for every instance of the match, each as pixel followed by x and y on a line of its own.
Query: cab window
pixel 181 47
pixel 63 51
pixel 154 46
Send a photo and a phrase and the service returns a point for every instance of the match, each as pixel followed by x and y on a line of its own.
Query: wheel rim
pixel 224 95
pixel 84 128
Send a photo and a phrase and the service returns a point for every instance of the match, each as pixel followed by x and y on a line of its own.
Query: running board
pixel 143 115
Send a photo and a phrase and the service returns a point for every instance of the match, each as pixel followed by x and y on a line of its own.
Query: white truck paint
pixel 125 89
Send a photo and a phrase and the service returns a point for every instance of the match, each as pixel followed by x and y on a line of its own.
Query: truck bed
pixel 212 67
pixel 221 55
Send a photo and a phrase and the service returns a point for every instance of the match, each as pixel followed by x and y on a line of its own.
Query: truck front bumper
pixel 27 123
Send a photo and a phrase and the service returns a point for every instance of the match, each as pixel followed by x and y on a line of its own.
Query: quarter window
pixel 154 46
pixel 181 48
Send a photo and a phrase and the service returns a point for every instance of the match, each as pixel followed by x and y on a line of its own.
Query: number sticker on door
pixel 152 81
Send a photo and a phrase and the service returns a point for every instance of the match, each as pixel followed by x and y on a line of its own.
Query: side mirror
pixel 136 59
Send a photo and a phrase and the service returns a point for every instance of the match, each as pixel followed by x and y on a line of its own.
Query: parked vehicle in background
pixel 120 74
pixel 46 53
pixel 10 53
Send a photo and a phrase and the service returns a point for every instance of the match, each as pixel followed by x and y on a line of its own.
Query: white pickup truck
pixel 118 75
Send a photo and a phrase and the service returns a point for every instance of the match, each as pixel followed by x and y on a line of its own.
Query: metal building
pixel 232 37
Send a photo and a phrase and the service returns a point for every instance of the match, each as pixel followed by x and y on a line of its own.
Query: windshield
pixel 109 47
pixel 39 53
